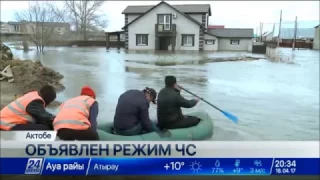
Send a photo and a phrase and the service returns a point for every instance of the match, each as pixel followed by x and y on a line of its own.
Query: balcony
pixel 161 31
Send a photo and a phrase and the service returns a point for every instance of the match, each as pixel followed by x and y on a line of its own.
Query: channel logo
pixel 34 166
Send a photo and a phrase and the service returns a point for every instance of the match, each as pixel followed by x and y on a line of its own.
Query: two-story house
pixel 166 27
pixel 180 27
pixel 15 27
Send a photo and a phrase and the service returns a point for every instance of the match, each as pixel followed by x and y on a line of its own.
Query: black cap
pixel 152 93
pixel 170 81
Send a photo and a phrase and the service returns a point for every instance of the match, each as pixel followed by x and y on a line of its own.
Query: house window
pixel 234 42
pixel 16 28
pixel 187 40
pixel 165 19
pixel 211 41
pixel 142 39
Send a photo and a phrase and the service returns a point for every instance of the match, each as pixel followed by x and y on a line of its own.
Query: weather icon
pixel 195 166
pixel 217 164
pixel 237 163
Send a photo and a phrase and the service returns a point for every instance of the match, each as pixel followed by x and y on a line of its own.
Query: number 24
pixel 34 164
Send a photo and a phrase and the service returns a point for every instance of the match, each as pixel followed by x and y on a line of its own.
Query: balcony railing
pixel 161 30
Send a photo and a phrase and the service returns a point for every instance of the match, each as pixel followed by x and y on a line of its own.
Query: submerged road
pixel 273 100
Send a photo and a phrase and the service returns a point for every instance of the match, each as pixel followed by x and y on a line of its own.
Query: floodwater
pixel 273 100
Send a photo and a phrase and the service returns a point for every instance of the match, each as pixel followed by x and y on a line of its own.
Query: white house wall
pixel 146 25
pixel 210 47
pixel 244 45
pixel 132 17
pixel 316 38
pixel 197 17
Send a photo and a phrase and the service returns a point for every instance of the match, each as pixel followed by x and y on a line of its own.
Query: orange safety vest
pixel 15 112
pixel 74 114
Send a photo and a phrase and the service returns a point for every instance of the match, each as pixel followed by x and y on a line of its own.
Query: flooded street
pixel 273 100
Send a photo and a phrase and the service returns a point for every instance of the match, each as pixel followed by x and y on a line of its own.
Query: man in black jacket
pixel 169 107
pixel 132 112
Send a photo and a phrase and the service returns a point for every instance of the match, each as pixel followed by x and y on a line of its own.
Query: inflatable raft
pixel 202 131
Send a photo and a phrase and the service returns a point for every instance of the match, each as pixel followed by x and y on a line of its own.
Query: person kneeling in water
pixel 77 117
pixel 28 111
pixel 132 112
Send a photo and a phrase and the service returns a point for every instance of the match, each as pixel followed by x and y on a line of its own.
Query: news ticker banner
pixel 159 149
pixel 160 166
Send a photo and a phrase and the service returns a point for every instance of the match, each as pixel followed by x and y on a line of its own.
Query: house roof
pixel 114 32
pixel 162 2
pixel 14 23
pixel 215 26
pixel 231 32
pixel 185 8
pixel 288 33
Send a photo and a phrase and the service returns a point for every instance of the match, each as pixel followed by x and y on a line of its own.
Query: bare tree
pixel 37 22
pixel 85 16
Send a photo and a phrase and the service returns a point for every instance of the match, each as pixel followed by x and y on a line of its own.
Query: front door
pixel 164 43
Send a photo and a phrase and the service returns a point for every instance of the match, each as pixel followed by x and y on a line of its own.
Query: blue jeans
pixel 137 130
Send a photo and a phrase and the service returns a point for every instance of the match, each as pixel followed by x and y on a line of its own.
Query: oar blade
pixel 230 116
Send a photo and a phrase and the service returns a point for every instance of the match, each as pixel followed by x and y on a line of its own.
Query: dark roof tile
pixel 162 2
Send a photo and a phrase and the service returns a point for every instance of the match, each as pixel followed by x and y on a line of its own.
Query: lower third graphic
pixel 34 166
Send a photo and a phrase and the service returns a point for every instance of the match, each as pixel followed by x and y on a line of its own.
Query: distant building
pixel 232 39
pixel 6 28
pixel 15 26
pixel 29 27
pixel 316 37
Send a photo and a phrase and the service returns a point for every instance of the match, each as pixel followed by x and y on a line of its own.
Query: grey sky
pixel 232 14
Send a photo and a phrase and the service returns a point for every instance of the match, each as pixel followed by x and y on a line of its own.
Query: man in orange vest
pixel 77 117
pixel 28 111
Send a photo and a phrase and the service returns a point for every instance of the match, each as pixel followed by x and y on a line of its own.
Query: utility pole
pixel 261 31
pixel 295 34
pixel 274 26
pixel 278 41
pixel 256 34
